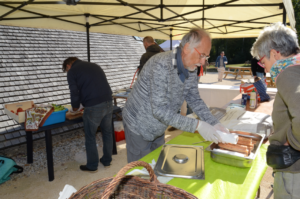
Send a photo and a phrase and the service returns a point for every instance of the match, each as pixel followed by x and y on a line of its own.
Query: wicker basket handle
pixel 109 189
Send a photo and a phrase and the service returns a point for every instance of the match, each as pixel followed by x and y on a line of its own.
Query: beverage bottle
pixel 244 98
pixel 253 99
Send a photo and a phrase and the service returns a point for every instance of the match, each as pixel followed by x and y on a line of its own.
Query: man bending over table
pixel 88 86
pixel 168 79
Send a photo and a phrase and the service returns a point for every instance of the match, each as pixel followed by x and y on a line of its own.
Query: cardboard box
pixel 20 118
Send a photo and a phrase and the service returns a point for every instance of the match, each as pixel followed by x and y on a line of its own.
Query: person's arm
pixel 253 67
pixel 160 104
pixel 74 91
pixel 198 105
pixel 216 64
pixel 143 60
pixel 289 91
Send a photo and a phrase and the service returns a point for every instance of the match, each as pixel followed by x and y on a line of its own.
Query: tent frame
pixel 152 19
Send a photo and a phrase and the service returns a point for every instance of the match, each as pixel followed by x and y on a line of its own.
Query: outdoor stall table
pixel 238 71
pixel 221 181
pixel 48 139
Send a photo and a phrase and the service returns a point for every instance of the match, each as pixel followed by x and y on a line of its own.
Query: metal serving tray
pixel 233 160
pixel 181 161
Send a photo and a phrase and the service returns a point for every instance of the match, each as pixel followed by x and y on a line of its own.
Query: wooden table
pixel 238 71
pixel 263 107
pixel 48 140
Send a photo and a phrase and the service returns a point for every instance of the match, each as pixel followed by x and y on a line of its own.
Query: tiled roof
pixel 30 69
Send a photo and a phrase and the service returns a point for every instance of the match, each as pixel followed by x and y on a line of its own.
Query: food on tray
pixel 20 110
pixel 12 111
pixel 235 147
pixel 244 145
pixel 34 117
pixel 58 107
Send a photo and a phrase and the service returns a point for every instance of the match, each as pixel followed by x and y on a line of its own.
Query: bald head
pixel 148 41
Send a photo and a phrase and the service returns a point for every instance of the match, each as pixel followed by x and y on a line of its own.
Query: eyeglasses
pixel 259 62
pixel 202 55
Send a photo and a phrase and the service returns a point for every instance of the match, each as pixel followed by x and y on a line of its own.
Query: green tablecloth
pixel 221 181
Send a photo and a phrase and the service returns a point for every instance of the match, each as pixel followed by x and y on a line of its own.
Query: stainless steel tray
pixel 181 161
pixel 233 160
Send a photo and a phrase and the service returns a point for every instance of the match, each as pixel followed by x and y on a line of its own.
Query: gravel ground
pixel 65 148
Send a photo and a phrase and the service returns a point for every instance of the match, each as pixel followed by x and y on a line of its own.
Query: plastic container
pixel 119 135
pixel 119 131
pixel 56 117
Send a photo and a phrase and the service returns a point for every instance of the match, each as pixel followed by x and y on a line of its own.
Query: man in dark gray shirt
pixel 89 86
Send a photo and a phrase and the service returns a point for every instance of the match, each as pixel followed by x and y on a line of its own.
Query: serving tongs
pixel 201 142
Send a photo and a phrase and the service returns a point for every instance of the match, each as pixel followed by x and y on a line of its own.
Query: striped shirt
pixel 158 95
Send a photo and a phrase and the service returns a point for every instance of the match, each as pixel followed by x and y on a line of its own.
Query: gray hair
pixel 194 37
pixel 278 37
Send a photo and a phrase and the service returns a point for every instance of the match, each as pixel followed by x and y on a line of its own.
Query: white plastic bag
pixel 118 125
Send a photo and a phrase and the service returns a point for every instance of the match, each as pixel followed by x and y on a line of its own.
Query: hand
pixel 221 127
pixel 77 109
pixel 208 132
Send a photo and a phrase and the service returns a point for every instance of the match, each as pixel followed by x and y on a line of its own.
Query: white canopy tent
pixel 166 45
pixel 162 19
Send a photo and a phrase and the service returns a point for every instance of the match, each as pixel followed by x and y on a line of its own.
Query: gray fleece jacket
pixel 158 95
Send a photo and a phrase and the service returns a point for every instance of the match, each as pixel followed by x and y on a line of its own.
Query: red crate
pixel 119 135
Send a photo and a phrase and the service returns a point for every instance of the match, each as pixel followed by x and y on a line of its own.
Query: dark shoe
pixel 84 168
pixel 105 165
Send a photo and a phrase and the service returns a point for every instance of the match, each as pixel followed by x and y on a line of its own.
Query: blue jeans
pixel 100 114
pixel 259 74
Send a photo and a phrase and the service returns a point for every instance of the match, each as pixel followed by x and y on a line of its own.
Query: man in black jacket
pixel 88 86
pixel 151 49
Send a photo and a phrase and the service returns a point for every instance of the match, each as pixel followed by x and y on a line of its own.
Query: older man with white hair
pixel 167 80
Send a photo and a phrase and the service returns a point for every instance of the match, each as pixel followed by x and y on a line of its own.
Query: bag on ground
pixel 7 167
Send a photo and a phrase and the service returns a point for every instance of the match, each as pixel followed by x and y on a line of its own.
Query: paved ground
pixel 34 182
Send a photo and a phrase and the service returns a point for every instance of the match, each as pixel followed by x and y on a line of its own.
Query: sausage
pixel 245 154
pixel 234 147
pixel 244 140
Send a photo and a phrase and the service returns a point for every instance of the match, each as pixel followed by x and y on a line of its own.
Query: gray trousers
pixel 286 185
pixel 137 147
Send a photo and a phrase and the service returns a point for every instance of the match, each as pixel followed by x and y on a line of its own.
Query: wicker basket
pixel 131 187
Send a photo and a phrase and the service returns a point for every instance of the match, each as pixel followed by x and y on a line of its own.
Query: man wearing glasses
pixel 167 80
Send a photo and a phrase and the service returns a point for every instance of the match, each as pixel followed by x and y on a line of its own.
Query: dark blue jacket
pixel 88 84
pixel 218 61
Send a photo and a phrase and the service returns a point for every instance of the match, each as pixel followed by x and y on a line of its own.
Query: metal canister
pixel 244 98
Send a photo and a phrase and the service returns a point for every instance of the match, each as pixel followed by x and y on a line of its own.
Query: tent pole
pixel 87 25
pixel 284 16
pixel 203 16
pixel 171 38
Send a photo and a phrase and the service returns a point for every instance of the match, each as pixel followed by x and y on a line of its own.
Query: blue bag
pixel 262 90
pixel 7 167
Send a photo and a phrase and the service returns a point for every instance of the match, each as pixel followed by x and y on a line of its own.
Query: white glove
pixel 208 132
pixel 79 109
pixel 221 127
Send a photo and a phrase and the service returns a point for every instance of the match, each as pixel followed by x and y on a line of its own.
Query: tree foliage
pixel 159 41
pixel 237 51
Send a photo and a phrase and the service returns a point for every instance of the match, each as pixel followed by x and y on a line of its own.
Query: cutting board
pixel 69 116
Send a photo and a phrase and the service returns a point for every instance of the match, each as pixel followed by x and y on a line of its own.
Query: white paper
pixel 228 137
pixel 240 120
pixel 67 192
